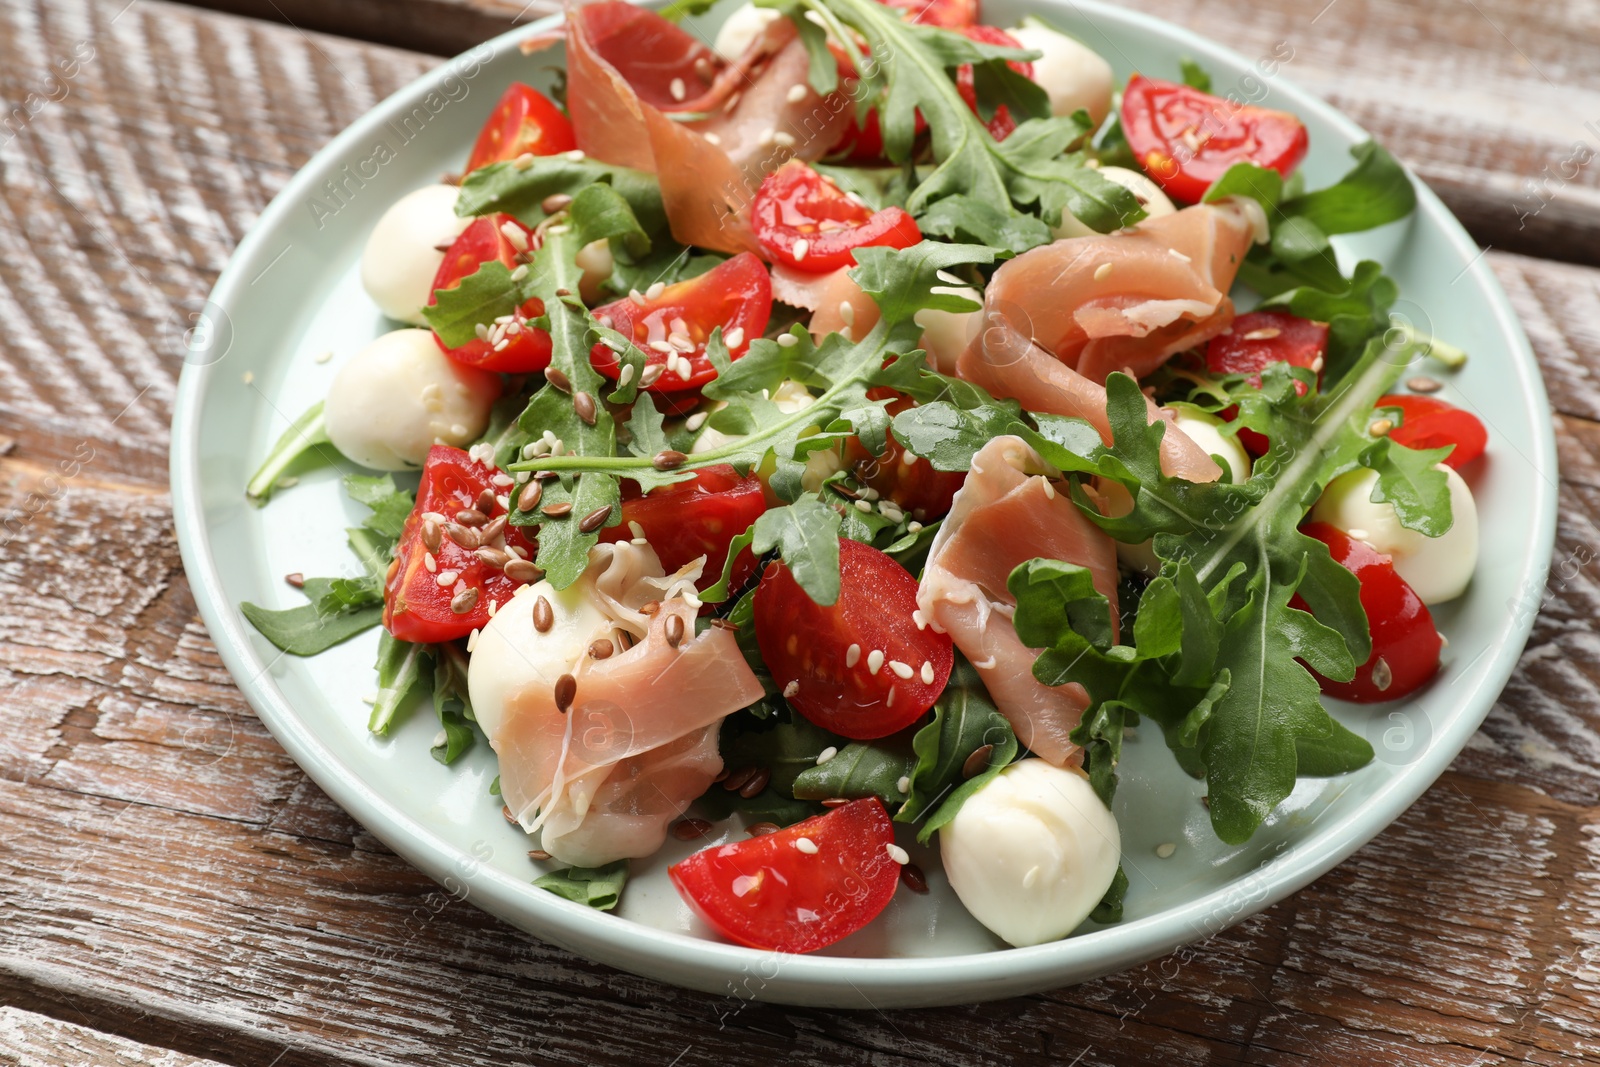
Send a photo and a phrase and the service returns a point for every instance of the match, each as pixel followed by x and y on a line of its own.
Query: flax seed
pixel 471 517
pixel 528 499
pixel 556 377
pixel 689 829
pixel 756 784
pixel 668 459
pixel 674 630
pixel 544 616
pixel 523 572
pixel 912 877
pixel 762 829
pixel 566 690
pixel 583 403
pixel 556 511
pixel 494 557
pixel 601 648
pixel 464 536
pixel 464 601
pixel 737 779
pixel 978 762
pixel 296 579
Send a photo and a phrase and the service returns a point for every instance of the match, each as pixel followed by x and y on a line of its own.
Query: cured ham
pixel 1128 301
pixel 1007 513
pixel 630 71
pixel 601 775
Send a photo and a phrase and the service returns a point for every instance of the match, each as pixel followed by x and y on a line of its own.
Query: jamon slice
pixel 734 121
pixel 1007 513
pixel 589 767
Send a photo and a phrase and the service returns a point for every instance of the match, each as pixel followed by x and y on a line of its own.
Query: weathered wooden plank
pixel 30 1040
pixel 1496 104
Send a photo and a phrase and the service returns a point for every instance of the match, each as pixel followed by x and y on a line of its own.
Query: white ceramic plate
pixel 291 293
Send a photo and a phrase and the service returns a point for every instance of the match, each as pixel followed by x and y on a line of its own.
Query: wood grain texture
pixel 168 875
pixel 30 1040
pixel 1495 103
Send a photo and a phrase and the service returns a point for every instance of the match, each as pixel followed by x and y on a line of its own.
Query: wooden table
pixel 174 889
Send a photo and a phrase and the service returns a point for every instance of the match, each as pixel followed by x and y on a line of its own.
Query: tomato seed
pixel 978 762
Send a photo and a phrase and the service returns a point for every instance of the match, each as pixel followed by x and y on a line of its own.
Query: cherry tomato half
pixel 909 480
pixel 767 893
pixel 735 295
pixel 1405 645
pixel 524 121
pixel 804 221
pixel 526 348
pixel 699 517
pixel 1001 123
pixel 1186 139
pixel 1428 422
pixel 415 606
pixel 861 666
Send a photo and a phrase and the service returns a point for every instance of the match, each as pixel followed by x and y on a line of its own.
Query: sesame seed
pixel 430 562
pixel 791 689
pixel 458 430
pixel 904 784
pixel 520 273
pixel 712 138
pixel 801 247
pixel 1166 849
pixel 649 375
pixel 695 421
pixel 913 527
pixel 635 529
pixel 1358 534
pixel 482 331
pixel 918 618
pixel 446 579
pixel 678 90
pixel 1175 254
pixel 864 505
pixel 874 661
pixel 323 357
pixel 787 340
pixel 523 162
pixel 655 290
pixel 680 341
pixel 575 155
pixel 767 137
pixel 902 670
pixel 1049 490
pixel 636 296
pixel 927 672
pixel 796 93
pixel 1266 333
pixel 889 703
pixel 472 644
pixel 826 754
pixel 503 480
pixel 946 276
pixel 662 347
pixel 897 853
pixel 806 845
pixel 784 140
pixel 734 337
pixel 852 655
pixel 847 312
pixel 626 374
pixel 870 493
pixel 1380 427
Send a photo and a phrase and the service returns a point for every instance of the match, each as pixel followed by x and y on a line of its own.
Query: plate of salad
pixel 852 503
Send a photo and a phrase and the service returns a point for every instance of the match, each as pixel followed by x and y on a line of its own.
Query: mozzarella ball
pixel 1032 852
pixel 511 654
pixel 399 395
pixel 1155 202
pixel 747 23
pixel 1073 75
pixel 1437 568
pixel 594 259
pixel 946 334
pixel 790 397
pixel 1205 430
pixel 402 256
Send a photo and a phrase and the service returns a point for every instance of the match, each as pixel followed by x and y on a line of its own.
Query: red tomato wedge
pixel 523 122
pixel 1405 645
pixel 735 295
pixel 1428 422
pixel 526 348
pixel 799 889
pixel 909 480
pixel 861 666
pixel 1186 139
pixel 415 606
pixel 699 517
pixel 949 14
pixel 806 222
pixel 1001 123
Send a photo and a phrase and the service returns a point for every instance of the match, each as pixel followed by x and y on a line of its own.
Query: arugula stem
pixel 304 434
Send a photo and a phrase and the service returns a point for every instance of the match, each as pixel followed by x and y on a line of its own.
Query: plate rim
pixel 713 966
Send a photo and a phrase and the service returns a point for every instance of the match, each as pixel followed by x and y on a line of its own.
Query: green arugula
pixel 598 887
pixel 964 720
pixel 403 669
pixel 340 608
pixel 1030 172
pixel 1194 75
pixel 451 703
pixel 859 769
pixel 305 434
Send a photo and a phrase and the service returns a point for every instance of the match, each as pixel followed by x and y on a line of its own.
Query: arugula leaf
pixel 1099 734
pixel 1408 479
pixel 307 630
pixel 451 703
pixel 909 72
pixel 1194 75
pixel 964 720
pixel 598 887
pixel 961 217
pixel 859 769
pixel 1377 190
pixel 806 535
pixel 304 434
pixel 484 295
pixel 1109 910
pixel 785 749
pixel 390 505
pixel 520 190
pixel 403 668
pixel 1261 184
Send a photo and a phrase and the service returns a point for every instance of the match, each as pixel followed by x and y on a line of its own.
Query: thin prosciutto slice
pixel 1007 513
pixel 1129 300
pixel 622 65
